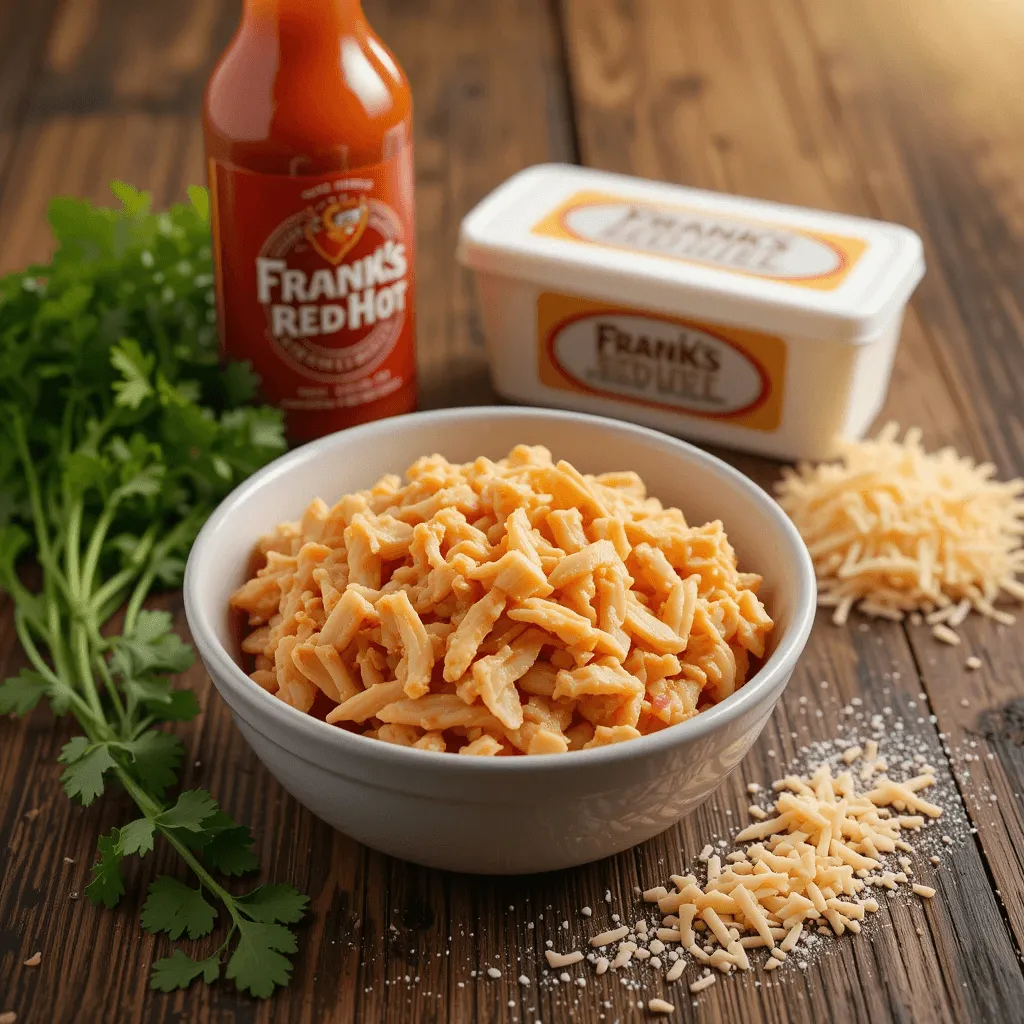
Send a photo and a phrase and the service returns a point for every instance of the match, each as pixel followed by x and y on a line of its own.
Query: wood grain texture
pixel 945 166
pixel 23 34
pixel 818 104
pixel 844 104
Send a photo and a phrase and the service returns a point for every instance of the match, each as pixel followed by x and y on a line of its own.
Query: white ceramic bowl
pixel 517 814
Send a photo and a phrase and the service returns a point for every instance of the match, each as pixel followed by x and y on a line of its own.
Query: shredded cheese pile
pixel 893 530
pixel 499 608
pixel 805 865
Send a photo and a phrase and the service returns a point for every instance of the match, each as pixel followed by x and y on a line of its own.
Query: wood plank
pixel 472 132
pixel 118 96
pixel 23 34
pixel 745 107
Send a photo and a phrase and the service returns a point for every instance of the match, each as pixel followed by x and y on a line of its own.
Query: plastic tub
pixel 733 321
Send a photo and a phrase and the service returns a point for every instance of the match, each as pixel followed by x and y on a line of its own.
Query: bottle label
pixel 775 252
pixel 316 280
pixel 706 370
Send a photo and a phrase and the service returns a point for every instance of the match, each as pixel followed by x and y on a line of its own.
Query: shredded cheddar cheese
pixel 805 870
pixel 894 530
pixel 496 608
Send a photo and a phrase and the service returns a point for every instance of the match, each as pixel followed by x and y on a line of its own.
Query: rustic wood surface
pixel 907 111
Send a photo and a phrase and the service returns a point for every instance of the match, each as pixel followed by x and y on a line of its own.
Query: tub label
pixel 805 259
pixel 699 369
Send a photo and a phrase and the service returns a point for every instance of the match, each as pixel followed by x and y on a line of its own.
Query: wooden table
pixel 906 111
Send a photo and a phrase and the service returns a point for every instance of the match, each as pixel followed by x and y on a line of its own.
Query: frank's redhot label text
pixel 710 371
pixel 316 289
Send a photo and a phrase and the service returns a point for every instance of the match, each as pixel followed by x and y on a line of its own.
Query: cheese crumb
pixel 706 982
pixel 622 957
pixel 675 972
pixel 562 959
pixel 493 972
pixel 612 935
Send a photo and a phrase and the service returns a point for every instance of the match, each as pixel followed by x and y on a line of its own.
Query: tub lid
pixel 743 261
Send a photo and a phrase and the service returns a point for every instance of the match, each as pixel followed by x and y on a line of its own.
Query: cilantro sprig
pixel 119 432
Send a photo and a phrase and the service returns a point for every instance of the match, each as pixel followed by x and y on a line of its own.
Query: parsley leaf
pixel 85 470
pixel 133 200
pixel 175 908
pixel 134 387
pixel 182 706
pixel 179 971
pixel 194 806
pixel 240 382
pixel 160 699
pixel 274 903
pixel 227 846
pixel 107 885
pixel 257 965
pixel 86 764
pixel 200 200
pixel 152 646
pixel 137 837
pixel 155 759
pixel 21 693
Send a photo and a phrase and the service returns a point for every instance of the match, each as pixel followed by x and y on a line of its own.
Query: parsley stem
pixel 72 552
pixel 80 648
pixel 34 495
pixel 115 697
pixel 55 632
pixel 83 712
pixel 145 583
pixel 109 595
pixel 51 572
pixel 139 595
pixel 150 808
pixel 92 554
pixel 140 727
pixel 202 874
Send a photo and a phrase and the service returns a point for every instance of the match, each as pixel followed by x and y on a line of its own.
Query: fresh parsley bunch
pixel 119 432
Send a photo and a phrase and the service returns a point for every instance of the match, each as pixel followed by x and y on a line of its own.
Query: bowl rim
pixel 224 671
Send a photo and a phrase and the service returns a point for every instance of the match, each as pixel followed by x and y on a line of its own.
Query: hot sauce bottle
pixel 308 128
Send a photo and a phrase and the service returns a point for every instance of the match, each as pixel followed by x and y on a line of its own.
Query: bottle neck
pixel 323 15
